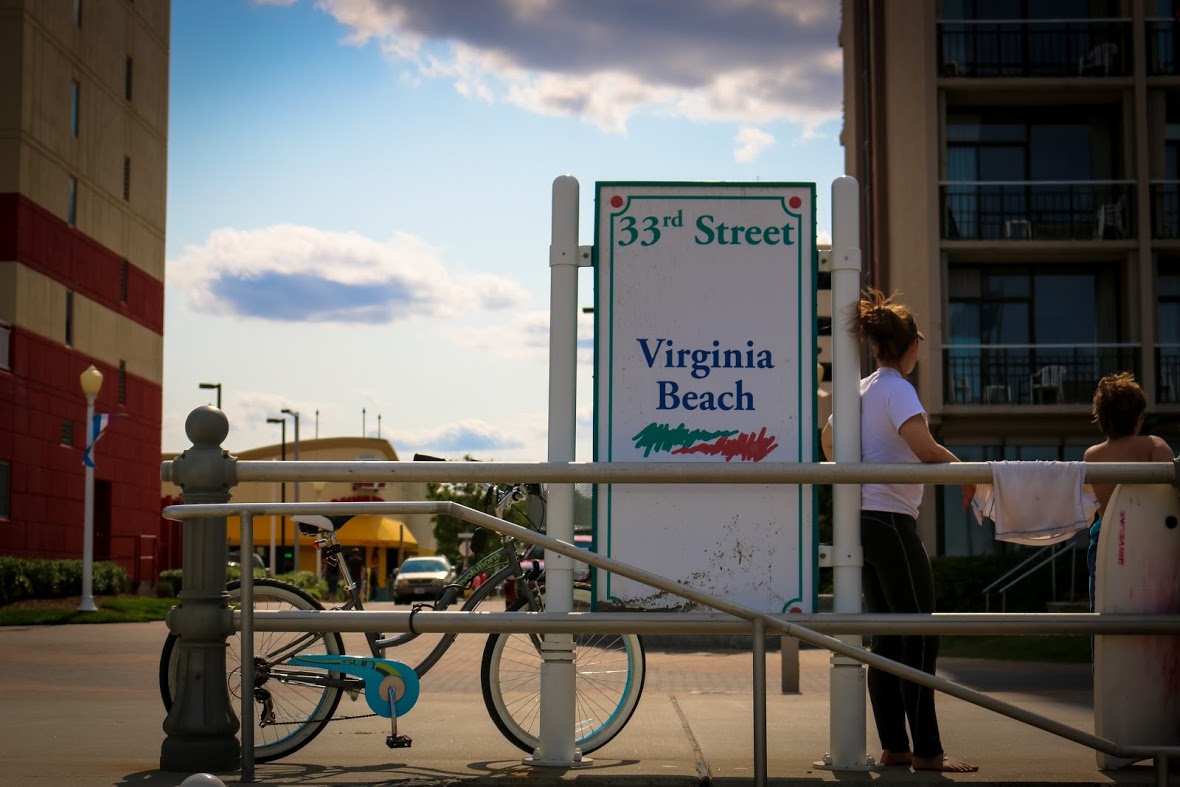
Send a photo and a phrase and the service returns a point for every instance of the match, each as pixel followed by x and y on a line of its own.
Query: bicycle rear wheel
pixel 292 704
pixel 609 668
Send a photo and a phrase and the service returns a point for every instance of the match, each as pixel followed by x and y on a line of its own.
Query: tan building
pixel 83 184
pixel 1020 173
pixel 384 541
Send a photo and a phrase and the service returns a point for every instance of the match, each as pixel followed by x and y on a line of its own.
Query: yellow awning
pixel 363 530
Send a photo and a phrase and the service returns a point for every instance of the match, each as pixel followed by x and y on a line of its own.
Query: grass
pixel 114 609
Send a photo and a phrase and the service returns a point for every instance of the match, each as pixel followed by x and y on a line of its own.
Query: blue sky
pixel 359 192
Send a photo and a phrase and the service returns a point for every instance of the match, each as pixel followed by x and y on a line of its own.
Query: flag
pixel 97 424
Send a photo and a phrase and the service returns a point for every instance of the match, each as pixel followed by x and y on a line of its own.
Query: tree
pixel 447 528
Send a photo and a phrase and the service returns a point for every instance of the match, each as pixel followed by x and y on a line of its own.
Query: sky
pixel 360 193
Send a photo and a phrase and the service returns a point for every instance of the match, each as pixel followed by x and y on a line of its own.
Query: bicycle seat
pixel 310 524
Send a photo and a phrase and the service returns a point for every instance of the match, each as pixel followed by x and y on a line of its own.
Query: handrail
pixel 1012 570
pixel 663 472
pixel 791 628
pixel 1056 551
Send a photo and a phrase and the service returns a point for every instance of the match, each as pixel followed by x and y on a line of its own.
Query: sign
pixel 705 351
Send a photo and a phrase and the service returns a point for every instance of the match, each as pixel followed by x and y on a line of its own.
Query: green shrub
pixel 171 581
pixel 959 581
pixel 14 580
pixel 22 578
pixel 169 584
pixel 305 580
pixel 109 579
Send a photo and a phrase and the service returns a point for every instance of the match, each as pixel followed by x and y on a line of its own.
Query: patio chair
pixel 1048 378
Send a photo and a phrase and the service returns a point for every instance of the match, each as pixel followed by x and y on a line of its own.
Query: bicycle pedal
pixel 398 741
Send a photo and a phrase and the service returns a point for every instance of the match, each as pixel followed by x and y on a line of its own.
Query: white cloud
pixel 525 337
pixel 290 273
pixel 750 144
pixel 454 440
pixel 740 61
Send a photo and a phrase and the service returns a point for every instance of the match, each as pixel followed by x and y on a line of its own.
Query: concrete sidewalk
pixel 80 707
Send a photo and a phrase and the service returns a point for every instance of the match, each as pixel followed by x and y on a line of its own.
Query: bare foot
pixel 896 758
pixel 944 763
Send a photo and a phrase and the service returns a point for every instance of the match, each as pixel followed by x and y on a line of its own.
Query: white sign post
pixel 705 351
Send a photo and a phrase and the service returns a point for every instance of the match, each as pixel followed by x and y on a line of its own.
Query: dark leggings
pixel 897 578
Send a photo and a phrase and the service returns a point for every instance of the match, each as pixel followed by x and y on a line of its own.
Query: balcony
pixel 1034 48
pixel 1037 210
pixel 1167 362
pixel 1163 35
pixel 1165 209
pixel 1033 374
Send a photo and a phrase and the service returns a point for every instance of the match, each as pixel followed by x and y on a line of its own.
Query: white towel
pixel 1036 503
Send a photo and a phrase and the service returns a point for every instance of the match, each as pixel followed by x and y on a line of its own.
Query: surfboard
pixel 1137 678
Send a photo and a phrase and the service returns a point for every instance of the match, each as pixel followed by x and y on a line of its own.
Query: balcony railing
pixel 1167 364
pixel 1163 37
pixel 1037 210
pixel 1165 209
pixel 1032 374
pixel 1034 48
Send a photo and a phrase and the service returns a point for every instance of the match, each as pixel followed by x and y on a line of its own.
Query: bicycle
pixel 300 677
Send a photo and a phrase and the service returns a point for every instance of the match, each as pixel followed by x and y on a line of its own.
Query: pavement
pixel 79 706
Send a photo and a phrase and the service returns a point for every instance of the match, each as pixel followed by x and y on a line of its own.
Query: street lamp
pixel 295 414
pixel 283 486
pixel 91 380
pixel 210 386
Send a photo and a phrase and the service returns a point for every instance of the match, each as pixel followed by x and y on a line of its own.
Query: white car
pixel 422 578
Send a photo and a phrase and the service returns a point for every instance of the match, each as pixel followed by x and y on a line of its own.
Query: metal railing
pixel 1161 47
pixel 1031 374
pixel 991 48
pixel 1007 580
pixel 1024 210
pixel 1167 365
pixel 804 628
pixel 1165 209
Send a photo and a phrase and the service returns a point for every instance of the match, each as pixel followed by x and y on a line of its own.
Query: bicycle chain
pixel 333 717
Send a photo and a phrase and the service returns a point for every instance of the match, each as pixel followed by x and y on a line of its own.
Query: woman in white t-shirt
pixel 897 576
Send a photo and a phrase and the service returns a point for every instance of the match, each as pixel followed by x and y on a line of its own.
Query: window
pixel 67 432
pixel 1030 175
pixel 127 78
pixel 124 274
pixel 5 490
pixel 75 91
pixel 69 318
pixel 126 177
pixel 1167 328
pixel 122 382
pixel 72 206
pixel 1008 321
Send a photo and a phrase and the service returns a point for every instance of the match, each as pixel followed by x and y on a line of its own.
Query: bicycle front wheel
pixel 609 673
pixel 291 704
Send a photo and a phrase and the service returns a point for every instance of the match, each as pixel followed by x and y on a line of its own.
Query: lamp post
pixel 210 386
pixel 318 486
pixel 91 380
pixel 295 414
pixel 282 486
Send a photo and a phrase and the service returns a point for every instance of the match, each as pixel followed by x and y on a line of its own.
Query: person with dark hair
pixel 332 575
pixel 356 568
pixel 897 576
pixel 1118 409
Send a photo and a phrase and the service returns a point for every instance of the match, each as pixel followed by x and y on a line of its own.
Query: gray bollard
pixel 201 727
